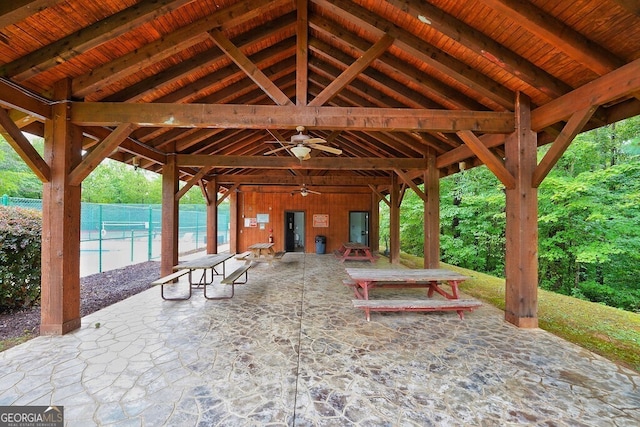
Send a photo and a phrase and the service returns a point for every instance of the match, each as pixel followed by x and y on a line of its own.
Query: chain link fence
pixel 114 236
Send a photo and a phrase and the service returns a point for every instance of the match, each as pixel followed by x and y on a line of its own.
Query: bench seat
pixel 458 305
pixel 169 278
pixel 278 255
pixel 233 278
pixel 243 256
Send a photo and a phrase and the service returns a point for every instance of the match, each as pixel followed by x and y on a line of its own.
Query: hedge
pixel 20 257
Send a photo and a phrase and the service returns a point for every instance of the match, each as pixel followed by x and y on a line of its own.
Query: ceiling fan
pixel 301 144
pixel 304 191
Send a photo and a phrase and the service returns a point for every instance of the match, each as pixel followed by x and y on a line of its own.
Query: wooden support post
pixel 521 294
pixel 212 217
pixel 432 213
pixel 374 223
pixel 394 222
pixel 60 300
pixel 233 222
pixel 170 220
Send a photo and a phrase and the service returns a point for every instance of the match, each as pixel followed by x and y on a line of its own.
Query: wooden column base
pixel 56 329
pixel 521 322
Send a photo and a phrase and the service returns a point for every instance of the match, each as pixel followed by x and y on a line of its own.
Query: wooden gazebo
pixel 407 90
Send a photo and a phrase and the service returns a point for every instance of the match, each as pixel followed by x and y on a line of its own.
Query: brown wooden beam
pixel 560 145
pixel 322 163
pixel 60 281
pixel 521 251
pixel 88 38
pixel 11 96
pixel 425 52
pixel 352 72
pixel 494 164
pixel 483 46
pixel 14 11
pixel 557 34
pixel 170 219
pixel 299 180
pixel 403 176
pixel 302 52
pixel 193 181
pixel 250 69
pixel 431 221
pixel 380 195
pixel 168 45
pixel 100 152
pixel 613 86
pixel 23 147
pixel 277 117
pixel 212 217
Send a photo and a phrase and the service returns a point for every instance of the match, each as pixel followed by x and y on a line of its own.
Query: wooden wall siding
pixel 337 206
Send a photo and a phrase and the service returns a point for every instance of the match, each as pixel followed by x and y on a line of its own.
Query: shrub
pixel 20 249
pixel 626 299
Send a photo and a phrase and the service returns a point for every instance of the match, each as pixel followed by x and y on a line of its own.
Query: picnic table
pixel 363 279
pixel 262 252
pixel 355 252
pixel 207 262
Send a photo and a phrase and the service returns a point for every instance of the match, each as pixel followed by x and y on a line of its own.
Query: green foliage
pixel 111 182
pixel 588 217
pixel 16 179
pixel 20 242
pixel 625 299
pixel 473 221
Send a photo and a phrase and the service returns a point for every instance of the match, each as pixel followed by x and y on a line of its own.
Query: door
pixel 359 227
pixel 289 232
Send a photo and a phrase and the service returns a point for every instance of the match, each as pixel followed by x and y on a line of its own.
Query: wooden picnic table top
pixel 355 245
pixel 261 245
pixel 207 261
pixel 403 275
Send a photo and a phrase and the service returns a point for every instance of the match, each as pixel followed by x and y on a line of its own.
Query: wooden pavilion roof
pixel 387 82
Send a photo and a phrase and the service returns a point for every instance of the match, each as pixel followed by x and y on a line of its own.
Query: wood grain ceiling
pixel 384 81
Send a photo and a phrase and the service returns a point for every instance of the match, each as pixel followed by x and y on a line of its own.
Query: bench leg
pixel 225 297
pixel 174 299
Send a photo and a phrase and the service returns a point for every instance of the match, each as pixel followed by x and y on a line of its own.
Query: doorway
pixel 294 236
pixel 359 227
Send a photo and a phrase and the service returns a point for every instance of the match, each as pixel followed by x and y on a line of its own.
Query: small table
pixel 355 252
pixel 363 279
pixel 203 263
pixel 261 252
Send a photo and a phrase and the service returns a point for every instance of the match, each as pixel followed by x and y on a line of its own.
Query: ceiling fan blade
pixel 325 148
pixel 275 150
pixel 313 192
pixel 315 141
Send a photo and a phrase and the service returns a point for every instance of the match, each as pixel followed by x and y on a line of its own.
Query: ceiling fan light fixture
pixel 304 193
pixel 300 151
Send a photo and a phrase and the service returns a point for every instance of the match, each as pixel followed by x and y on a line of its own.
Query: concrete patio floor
pixel 290 350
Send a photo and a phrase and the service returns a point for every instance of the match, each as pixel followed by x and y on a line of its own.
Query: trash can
pixel 321 244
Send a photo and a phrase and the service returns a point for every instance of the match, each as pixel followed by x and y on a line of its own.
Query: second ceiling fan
pixel 301 144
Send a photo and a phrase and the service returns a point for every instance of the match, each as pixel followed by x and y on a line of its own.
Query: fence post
pixel 197 228
pixel 100 239
pixel 5 200
pixel 150 236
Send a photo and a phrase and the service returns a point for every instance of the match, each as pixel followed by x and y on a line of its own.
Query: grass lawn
pixel 607 331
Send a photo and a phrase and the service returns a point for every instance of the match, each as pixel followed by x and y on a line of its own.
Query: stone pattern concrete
pixel 290 350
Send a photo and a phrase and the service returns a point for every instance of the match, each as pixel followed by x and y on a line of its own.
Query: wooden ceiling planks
pixel 443 54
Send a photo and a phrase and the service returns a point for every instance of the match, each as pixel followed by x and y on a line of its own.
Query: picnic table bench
pixel 363 279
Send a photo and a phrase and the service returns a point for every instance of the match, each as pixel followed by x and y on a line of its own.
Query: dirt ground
pixel 96 291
